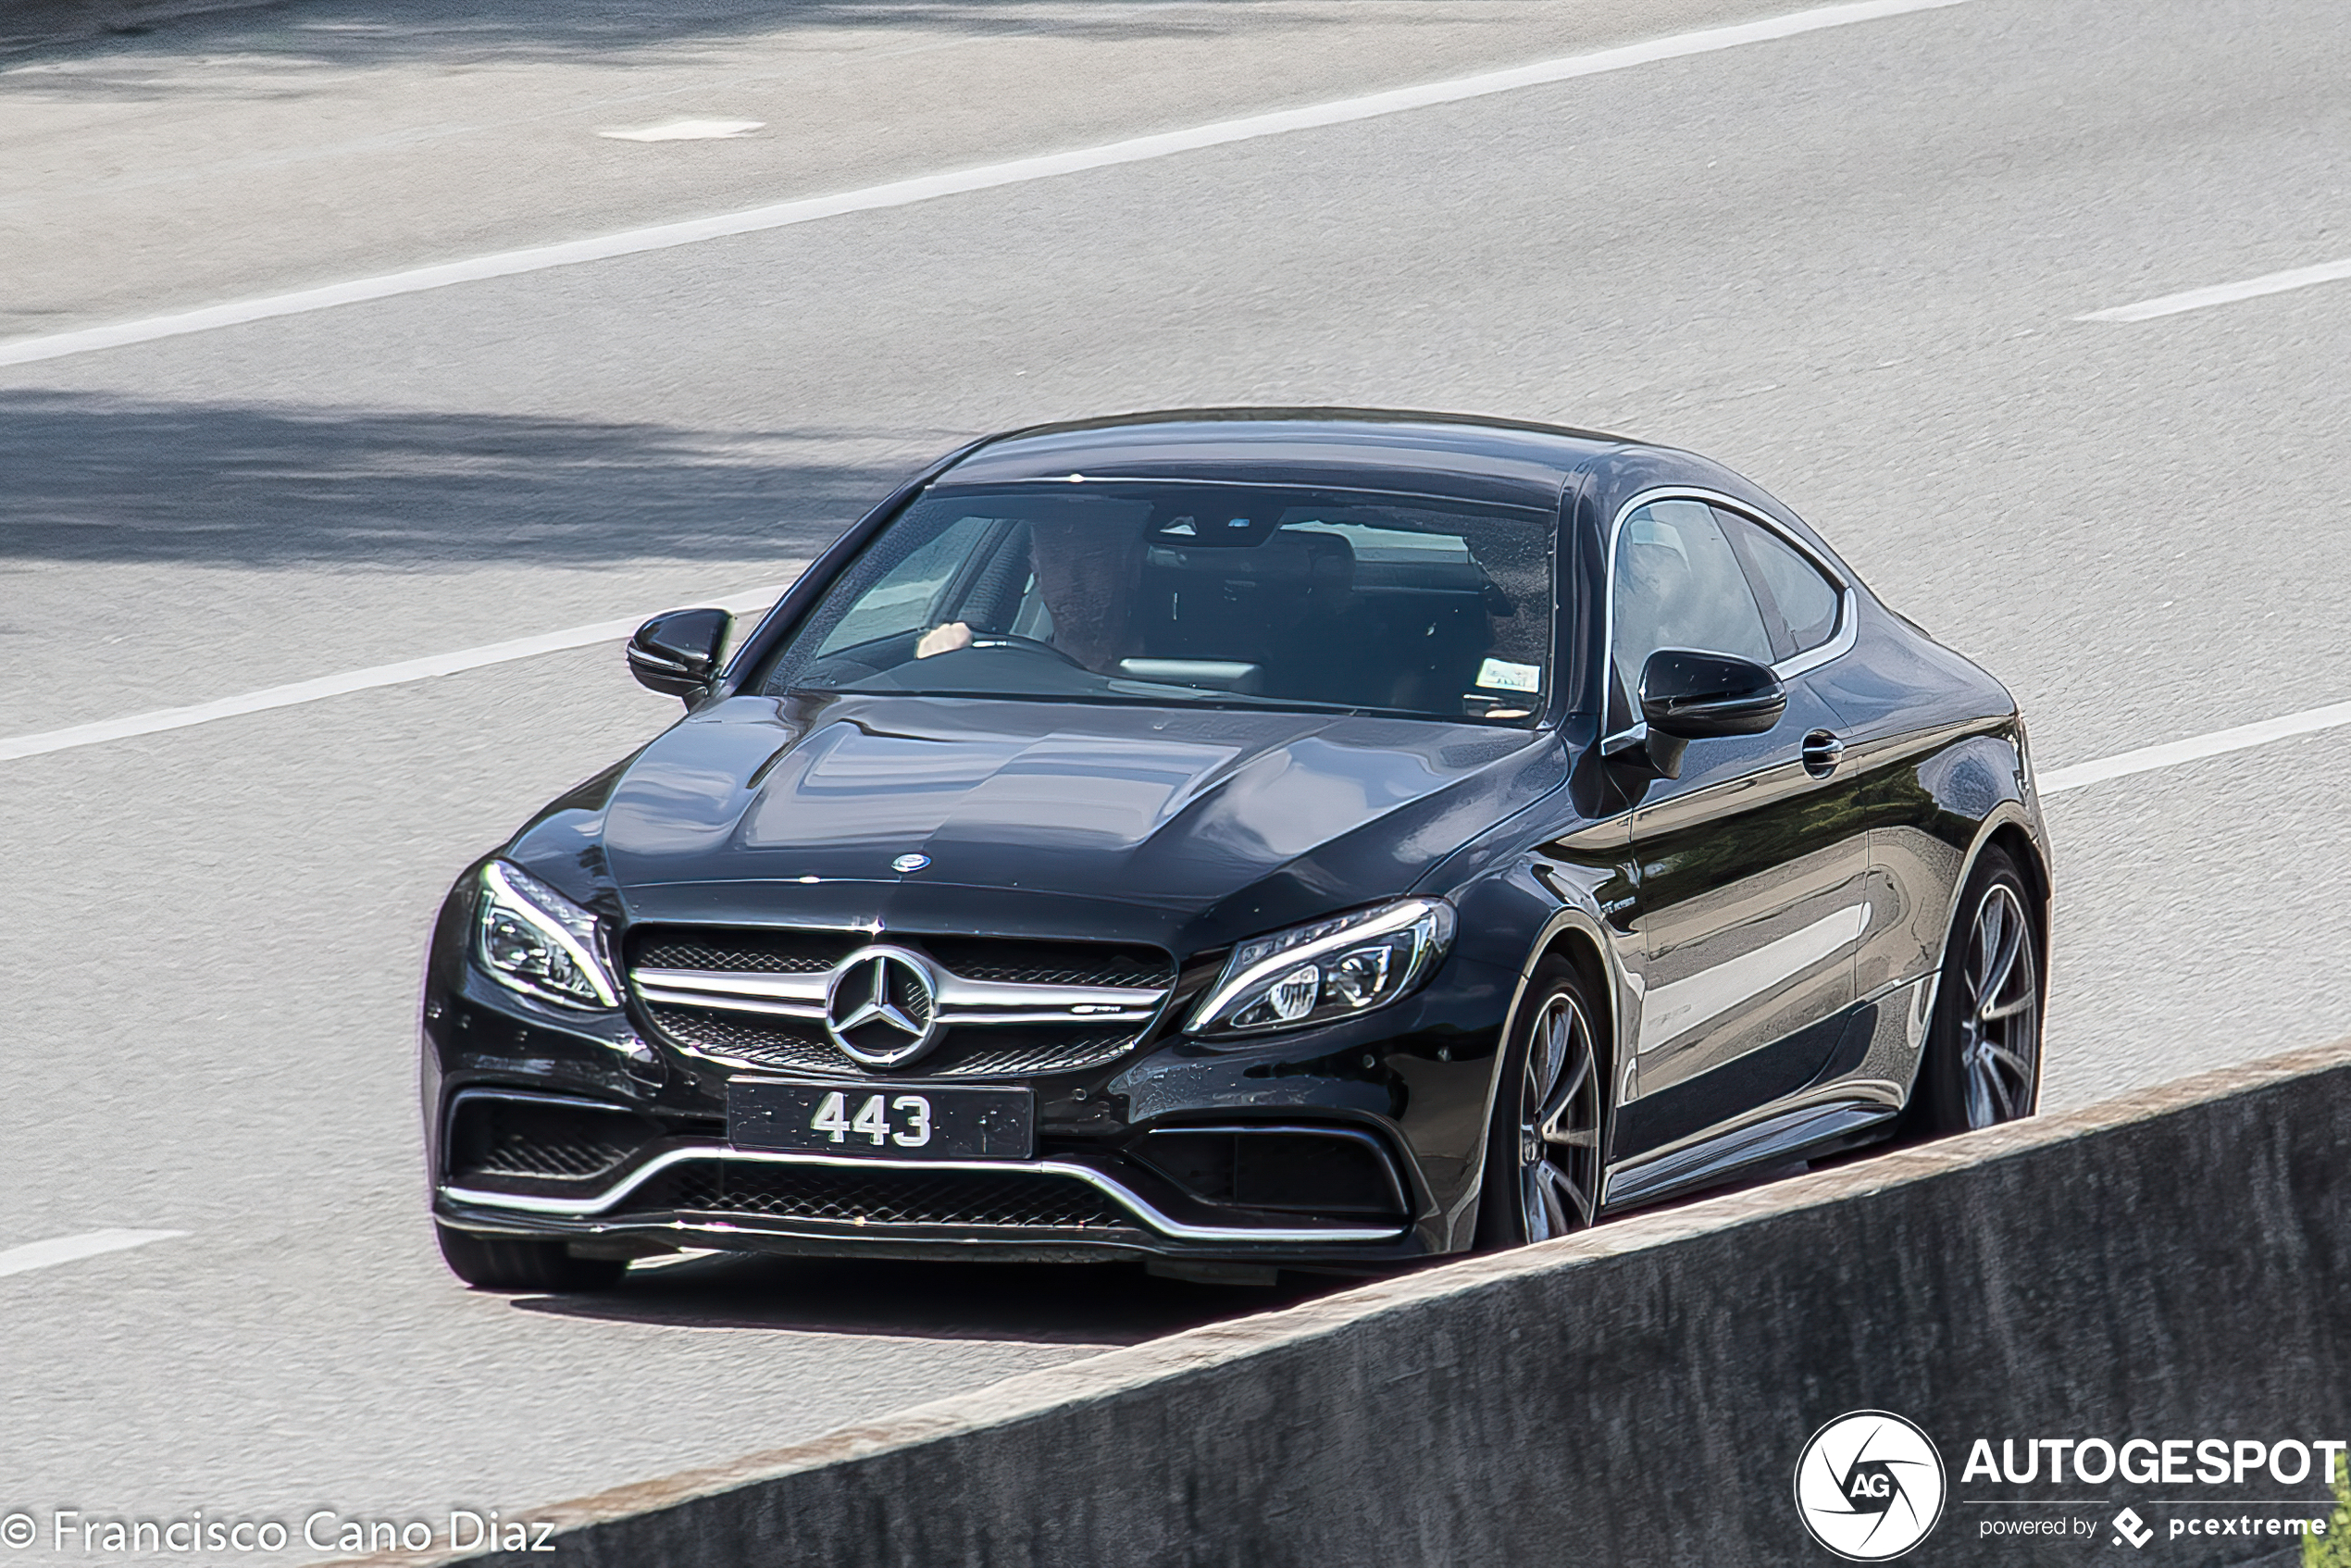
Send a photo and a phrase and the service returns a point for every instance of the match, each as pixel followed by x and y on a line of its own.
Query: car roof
pixel 1499 461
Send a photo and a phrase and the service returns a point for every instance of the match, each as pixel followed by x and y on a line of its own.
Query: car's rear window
pixel 1188 593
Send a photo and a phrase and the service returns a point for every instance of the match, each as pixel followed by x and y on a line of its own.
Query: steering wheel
pixel 1029 644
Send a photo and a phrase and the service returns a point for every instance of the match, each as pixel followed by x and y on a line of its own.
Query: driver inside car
pixel 1085 569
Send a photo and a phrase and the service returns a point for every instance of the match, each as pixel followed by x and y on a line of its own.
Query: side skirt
pixel 1853 1100
pixel 1774 1138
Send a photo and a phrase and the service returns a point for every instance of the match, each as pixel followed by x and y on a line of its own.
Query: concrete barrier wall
pixel 2175 1265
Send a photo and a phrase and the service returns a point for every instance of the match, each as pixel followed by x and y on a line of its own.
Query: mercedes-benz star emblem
pixel 881 1006
pixel 910 863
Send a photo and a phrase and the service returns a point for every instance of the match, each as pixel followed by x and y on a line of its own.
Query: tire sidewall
pixel 1500 1224
pixel 1938 1099
pixel 513 1264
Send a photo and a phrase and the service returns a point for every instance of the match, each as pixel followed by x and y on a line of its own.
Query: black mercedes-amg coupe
pixel 1243 838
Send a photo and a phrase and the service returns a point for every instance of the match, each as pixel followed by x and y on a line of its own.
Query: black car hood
pixel 1186 827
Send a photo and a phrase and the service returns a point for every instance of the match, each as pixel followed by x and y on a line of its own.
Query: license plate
pixel 881 1121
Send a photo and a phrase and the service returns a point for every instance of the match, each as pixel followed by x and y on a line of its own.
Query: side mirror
pixel 1693 695
pixel 1687 695
pixel 676 652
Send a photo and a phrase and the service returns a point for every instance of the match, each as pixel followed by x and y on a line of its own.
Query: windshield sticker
pixel 1504 675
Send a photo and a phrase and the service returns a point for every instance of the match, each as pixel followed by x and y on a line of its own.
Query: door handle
pixel 1822 751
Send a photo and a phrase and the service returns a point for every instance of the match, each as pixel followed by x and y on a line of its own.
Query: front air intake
pixel 1307 1170
pixel 878 1196
pixel 499 1135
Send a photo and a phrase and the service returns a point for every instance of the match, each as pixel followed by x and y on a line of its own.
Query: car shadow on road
pixel 1029 1304
pixel 369 33
pixel 95 477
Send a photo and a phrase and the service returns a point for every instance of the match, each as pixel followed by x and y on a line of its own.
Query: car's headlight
pixel 1328 969
pixel 531 936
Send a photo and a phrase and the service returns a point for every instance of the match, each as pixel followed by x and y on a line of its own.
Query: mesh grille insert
pixel 748 951
pixel 994 1199
pixel 978 1053
pixel 489 1136
pixel 1023 961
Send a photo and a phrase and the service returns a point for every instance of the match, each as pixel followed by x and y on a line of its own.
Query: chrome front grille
pixel 843 1195
pixel 1004 1007
pixel 784 1045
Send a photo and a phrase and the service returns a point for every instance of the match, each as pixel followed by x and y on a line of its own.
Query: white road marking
pixel 2172 753
pixel 688 130
pixel 350 680
pixel 2227 294
pixel 71 1248
pixel 905 192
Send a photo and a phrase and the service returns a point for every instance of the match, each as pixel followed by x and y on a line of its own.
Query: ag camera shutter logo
pixel 1870 1485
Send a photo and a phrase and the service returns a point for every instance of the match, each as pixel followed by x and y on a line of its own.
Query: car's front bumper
pixel 1413 1078
pixel 1112 1219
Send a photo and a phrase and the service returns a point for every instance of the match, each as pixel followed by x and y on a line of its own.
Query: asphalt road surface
pixel 1850 262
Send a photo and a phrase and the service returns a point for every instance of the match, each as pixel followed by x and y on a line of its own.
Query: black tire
pixel 502 1262
pixel 1543 1147
pixel 1982 1065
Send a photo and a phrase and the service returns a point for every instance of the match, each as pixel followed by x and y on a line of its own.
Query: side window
pixel 1678 584
pixel 1799 604
pixel 900 600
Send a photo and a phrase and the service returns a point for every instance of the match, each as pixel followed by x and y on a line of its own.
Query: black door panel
pixel 1818 1054
pixel 1752 898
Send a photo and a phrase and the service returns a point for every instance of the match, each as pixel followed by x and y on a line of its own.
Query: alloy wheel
pixel 2000 1030
pixel 1559 1124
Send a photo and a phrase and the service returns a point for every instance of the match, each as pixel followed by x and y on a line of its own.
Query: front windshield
pixel 1170 592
